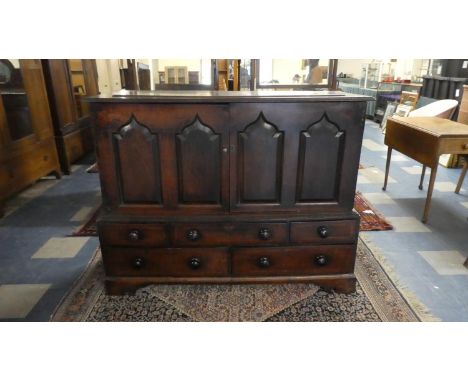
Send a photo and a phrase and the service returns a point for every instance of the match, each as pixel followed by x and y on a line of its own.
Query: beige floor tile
pixel 397 158
pixel 408 224
pixel 17 300
pixel 361 179
pixel 413 170
pixel 375 175
pixel 373 146
pixel 29 194
pixel 82 214
pixel 445 262
pixel 378 198
pixel 60 248
pixel 445 186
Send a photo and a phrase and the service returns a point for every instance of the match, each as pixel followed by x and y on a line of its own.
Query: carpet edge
pixel 419 308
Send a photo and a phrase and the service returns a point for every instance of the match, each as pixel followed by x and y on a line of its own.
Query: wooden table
pixel 424 139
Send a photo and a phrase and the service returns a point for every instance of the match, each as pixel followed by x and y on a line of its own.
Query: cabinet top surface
pixel 151 96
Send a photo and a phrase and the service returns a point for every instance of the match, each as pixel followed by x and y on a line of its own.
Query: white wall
pixel 352 68
pixel 108 76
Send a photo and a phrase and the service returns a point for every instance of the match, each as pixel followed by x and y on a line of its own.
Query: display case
pixel 27 147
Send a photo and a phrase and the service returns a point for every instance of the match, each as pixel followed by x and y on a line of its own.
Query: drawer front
pixel 325 232
pixel 293 261
pixel 220 234
pixel 169 262
pixel 454 146
pixel 133 235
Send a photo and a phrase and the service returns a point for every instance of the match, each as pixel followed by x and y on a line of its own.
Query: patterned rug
pixel 376 299
pixel 371 219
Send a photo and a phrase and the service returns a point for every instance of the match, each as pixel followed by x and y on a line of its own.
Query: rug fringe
pixel 421 310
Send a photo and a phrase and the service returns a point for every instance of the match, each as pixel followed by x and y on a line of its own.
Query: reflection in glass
pixel 245 74
pixel 78 83
pixel 15 100
pixel 293 72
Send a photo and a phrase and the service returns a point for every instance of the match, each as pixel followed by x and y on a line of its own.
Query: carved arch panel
pixel 260 162
pixel 137 163
pixel 320 159
pixel 199 164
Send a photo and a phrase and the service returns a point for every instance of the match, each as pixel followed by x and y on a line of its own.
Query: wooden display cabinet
pixel 27 146
pixel 68 81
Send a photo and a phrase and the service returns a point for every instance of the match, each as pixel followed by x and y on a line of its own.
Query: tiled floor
pixel 39 263
pixel 429 258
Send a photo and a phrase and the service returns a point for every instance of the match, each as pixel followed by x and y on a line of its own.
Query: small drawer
pixel 133 235
pixel 453 146
pixel 325 232
pixel 167 262
pixel 220 234
pixel 293 261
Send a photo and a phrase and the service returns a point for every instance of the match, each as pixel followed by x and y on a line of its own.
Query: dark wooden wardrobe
pixel 27 145
pixel 68 81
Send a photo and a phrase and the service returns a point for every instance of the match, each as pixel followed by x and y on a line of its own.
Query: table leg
pixel 387 167
pixel 462 176
pixel 422 177
pixel 429 194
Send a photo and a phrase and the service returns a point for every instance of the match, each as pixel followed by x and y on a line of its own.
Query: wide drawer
pixel 325 232
pixel 133 235
pixel 220 234
pixel 175 262
pixel 293 261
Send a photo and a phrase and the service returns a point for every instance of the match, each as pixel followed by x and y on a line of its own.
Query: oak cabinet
pixel 68 82
pixel 27 147
pixel 272 172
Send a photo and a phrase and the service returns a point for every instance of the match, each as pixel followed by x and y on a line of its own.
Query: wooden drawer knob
pixel 321 260
pixel 193 234
pixel 138 262
pixel 264 234
pixel 323 232
pixel 194 263
pixel 134 235
pixel 465 146
pixel 263 262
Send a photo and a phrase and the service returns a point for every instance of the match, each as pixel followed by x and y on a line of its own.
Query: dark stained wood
pixel 221 234
pixel 133 235
pixel 259 162
pixel 293 260
pixel 199 170
pixel 175 262
pixel 137 159
pixel 324 232
pixel 242 177
pixel 320 161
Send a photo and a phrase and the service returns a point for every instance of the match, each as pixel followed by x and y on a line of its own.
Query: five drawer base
pixel 319 252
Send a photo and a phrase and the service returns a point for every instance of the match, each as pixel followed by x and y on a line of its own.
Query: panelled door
pixel 294 155
pixel 166 158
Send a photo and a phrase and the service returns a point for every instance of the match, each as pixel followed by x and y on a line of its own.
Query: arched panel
pixel 138 163
pixel 199 164
pixel 320 158
pixel 260 162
